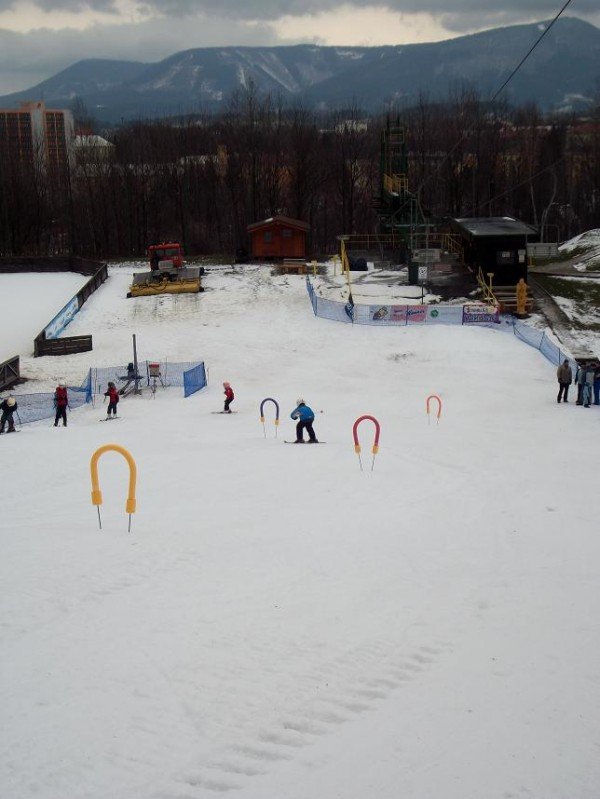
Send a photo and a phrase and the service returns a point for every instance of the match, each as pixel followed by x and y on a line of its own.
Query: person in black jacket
pixel 8 408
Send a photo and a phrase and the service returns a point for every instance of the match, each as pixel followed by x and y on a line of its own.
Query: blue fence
pixel 171 374
pixel 194 379
pixel 34 407
pixel 540 341
pixel 191 375
pixel 384 315
pixel 443 313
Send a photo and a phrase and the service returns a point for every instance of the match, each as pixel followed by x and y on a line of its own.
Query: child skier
pixel 61 403
pixel 8 408
pixel 113 399
pixel 306 417
pixel 229 397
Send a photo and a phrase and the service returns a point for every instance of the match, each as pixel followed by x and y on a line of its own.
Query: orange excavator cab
pixel 165 257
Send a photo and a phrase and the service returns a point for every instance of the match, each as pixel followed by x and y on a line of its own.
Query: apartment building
pixel 34 136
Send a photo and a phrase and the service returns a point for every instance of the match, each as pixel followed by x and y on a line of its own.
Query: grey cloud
pixel 471 14
pixel 74 6
pixel 27 59
pixel 463 14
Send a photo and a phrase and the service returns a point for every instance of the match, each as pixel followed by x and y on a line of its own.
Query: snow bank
pixel 28 302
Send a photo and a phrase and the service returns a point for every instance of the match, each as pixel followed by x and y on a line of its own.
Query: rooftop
pixel 495 226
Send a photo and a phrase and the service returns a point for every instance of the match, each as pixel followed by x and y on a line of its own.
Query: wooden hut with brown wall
pixel 277 238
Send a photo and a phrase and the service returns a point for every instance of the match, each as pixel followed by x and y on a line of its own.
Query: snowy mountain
pixel 561 74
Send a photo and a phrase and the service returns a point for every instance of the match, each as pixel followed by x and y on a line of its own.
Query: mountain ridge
pixel 561 74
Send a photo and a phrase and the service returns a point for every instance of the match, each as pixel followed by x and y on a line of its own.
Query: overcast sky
pixel 40 37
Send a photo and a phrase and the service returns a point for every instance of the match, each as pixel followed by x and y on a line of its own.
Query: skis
pixel 304 442
pixel 111 419
pixel 225 413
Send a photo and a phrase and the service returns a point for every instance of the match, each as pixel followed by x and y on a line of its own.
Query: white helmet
pixel 11 401
pixel 61 384
pixel 300 401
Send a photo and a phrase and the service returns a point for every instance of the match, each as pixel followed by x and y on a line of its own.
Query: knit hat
pixel 11 401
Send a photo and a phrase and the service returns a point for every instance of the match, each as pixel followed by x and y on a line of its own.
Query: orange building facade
pixel 278 237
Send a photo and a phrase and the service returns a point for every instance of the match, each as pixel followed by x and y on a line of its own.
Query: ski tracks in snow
pixel 305 706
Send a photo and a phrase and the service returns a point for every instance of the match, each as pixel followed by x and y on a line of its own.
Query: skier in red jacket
pixel 61 403
pixel 229 397
pixel 113 399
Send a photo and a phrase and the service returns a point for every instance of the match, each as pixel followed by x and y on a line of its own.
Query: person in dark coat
pixel 597 384
pixel 229 397
pixel 305 417
pixel 61 403
pixel 8 408
pixel 113 400
pixel 580 383
pixel 565 378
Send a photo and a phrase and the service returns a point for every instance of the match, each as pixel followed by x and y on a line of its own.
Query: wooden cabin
pixel 277 238
pixel 497 244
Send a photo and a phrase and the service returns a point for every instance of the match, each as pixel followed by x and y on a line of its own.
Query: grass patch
pixel 584 294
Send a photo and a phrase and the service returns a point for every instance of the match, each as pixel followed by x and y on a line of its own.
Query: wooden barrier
pixel 70 344
pixel 9 372
pixel 61 346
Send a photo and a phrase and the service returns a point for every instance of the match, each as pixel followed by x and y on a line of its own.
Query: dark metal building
pixel 497 244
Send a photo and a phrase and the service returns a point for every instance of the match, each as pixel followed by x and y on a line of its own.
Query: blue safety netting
pixel 194 379
pixel 441 313
pixel 34 407
pixel 171 373
pixel 540 341
pixel 329 309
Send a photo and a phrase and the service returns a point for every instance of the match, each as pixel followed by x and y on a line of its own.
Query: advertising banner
pixel 379 313
pixel 478 314
pixel 416 314
pixel 62 319
pixel 445 315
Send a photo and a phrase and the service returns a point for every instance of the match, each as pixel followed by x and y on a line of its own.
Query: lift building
pixel 497 244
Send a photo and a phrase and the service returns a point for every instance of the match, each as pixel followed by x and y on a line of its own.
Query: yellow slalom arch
pixel 130 505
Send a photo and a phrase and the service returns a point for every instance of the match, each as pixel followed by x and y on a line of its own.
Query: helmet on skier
pixel 226 384
pixel 300 401
pixel 11 401
pixel 61 384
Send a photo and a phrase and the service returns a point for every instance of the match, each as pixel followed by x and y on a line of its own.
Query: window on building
pixel 504 257
pixel 286 233
pixel 268 235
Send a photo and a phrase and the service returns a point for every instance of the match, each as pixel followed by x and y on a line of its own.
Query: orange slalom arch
pixel 439 402
pixel 375 447
pixel 130 505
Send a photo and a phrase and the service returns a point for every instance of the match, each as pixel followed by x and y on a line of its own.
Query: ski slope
pixel 279 623
pixel 28 302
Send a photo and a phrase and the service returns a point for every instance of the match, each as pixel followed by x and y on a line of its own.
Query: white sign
pixel 422 273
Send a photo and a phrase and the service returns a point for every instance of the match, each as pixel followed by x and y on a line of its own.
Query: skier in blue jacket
pixel 305 417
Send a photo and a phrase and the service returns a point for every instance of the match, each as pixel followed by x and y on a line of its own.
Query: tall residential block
pixel 34 136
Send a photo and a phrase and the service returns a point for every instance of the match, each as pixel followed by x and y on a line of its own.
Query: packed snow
pixel 587 248
pixel 280 623
pixel 26 309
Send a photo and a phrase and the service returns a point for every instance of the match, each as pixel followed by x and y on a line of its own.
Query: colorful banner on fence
pixel 416 314
pixel 444 315
pixel 478 314
pixel 62 319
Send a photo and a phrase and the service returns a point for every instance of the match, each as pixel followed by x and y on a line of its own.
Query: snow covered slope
pixel 27 303
pixel 279 623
